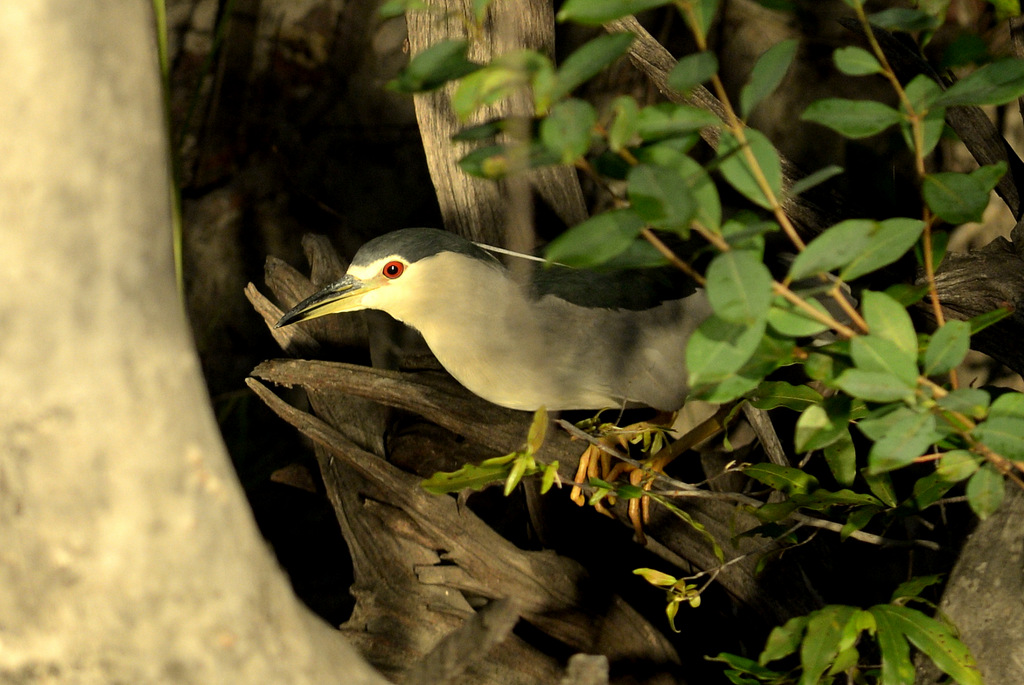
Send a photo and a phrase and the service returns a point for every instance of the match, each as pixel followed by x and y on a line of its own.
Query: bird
pixel 556 338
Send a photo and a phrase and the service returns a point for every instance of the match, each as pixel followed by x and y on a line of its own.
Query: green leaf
pixel 873 353
pixel 836 247
pixel 844 661
pixel 489 161
pixel 852 118
pixel 1002 434
pixel 784 640
pixel 932 637
pixel 823 500
pixel 739 286
pixel 769 354
pixel 985 491
pixel 612 166
pixel 741 666
pixel 785 479
pixel 907 440
pixel 914 587
pixel 486 86
pixel 666 120
pixel 826 630
pixel 767 74
pixel 670 611
pixel 940 241
pixel 502 77
pixel 811 180
pixel 825 367
pixel 589 60
pixel 820 425
pixel 996 83
pixel 596 240
pixel 737 170
pixel 787 319
pixel 538 429
pixel 888 243
pixel 967 48
pixel 904 19
pixel 548 477
pixel 660 197
pixel 947 348
pixel 718 348
pixel 889 320
pixel 923 93
pixel 516 473
pixel 640 255
pixel 703 15
pixel 772 394
pixel 897 669
pixel 682 515
pixel 881 486
pixel 906 294
pixel 625 124
pixel 983 321
pixel 776 511
pixel 854 61
pixel 542 81
pixel 879 422
pixel 746 230
pixel 655 577
pixel 705 194
pixel 959 198
pixel 495 161
pixel 1006 9
pixel 435 66
pixel 692 70
pixel 874 386
pixel 469 476
pixel 1008 404
pixel 928 490
pixel 709 204
pixel 485 131
pixel 595 12
pixel 957 465
pixel 567 129
pixel 841 457
pixel 972 402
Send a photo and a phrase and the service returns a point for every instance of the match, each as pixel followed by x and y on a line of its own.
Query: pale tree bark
pixel 127 550
pixel 985 597
pixel 477 208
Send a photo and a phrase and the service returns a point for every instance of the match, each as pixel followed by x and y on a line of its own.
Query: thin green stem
pixel 801 304
pixel 836 294
pixel 671 256
pixel 737 128
pixel 915 118
pixel 173 167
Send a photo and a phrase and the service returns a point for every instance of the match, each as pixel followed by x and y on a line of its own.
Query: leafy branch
pixel 871 378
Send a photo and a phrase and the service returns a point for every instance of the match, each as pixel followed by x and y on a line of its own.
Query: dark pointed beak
pixel 341 296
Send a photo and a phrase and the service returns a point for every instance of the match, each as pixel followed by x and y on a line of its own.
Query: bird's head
pixel 397 273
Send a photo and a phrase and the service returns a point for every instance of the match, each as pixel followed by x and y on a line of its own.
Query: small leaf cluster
pixel 829 642
pixel 510 468
pixel 677 591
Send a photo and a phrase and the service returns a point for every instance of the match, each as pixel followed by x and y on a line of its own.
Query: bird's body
pixel 569 340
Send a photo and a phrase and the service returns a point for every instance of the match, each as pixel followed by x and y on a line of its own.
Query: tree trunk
pixel 128 551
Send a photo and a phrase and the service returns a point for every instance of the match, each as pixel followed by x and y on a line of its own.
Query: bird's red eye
pixel 393 269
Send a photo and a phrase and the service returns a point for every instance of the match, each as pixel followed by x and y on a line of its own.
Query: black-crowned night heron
pixel 563 339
